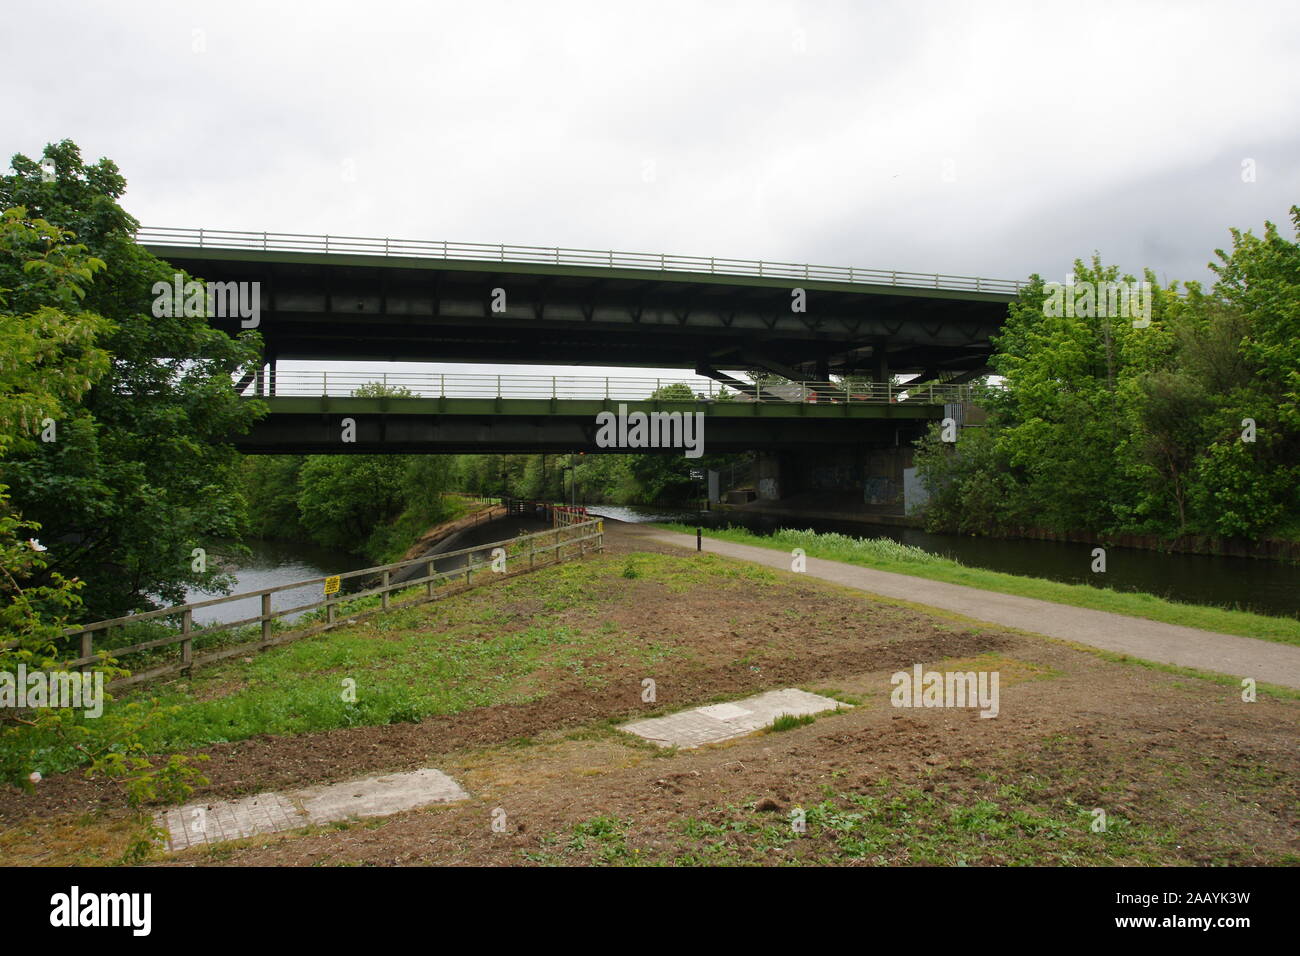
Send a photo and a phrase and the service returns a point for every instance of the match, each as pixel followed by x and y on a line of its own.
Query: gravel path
pixel 1265 661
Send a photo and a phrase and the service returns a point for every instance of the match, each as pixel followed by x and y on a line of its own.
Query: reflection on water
pixel 639 513
pixel 1268 587
pixel 274 563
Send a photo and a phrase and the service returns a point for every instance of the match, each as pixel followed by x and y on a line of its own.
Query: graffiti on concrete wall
pixel 878 491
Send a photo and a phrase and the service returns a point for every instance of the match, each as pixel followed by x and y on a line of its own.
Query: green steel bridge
pixel 330 298
pixel 406 413
pixel 342 298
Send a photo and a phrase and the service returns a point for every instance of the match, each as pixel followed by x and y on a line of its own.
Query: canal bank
pixel 1265 550
pixel 497 527
pixel 1247 584
pixel 1266 662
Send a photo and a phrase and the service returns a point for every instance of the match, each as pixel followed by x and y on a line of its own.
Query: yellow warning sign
pixel 332 584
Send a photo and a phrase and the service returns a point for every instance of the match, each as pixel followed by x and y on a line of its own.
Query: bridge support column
pixel 853 479
pixel 769 470
pixel 879 365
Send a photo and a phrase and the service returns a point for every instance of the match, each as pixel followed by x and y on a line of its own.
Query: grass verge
pixel 885 554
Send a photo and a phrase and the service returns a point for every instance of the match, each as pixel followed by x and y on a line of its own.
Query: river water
pixel 272 563
pixel 1267 587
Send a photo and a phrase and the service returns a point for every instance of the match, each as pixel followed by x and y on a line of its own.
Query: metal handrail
pixel 609 388
pixel 557 255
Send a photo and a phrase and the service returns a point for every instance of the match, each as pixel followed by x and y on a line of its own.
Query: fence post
pixel 187 642
pixel 428 573
pixel 266 618
pixel 330 613
pixel 383 597
pixel 88 646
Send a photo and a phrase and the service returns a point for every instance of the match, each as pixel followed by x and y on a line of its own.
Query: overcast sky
pixel 993 139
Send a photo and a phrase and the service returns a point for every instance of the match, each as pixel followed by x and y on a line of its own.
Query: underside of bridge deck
pixel 377 308
pixel 416 426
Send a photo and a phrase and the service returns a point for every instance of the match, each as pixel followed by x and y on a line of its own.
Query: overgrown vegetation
pixel 139 469
pixel 372 505
pixel 1188 426
pixel 476 649
pixel 51 344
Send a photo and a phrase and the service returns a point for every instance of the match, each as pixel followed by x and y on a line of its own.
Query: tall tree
pixel 148 472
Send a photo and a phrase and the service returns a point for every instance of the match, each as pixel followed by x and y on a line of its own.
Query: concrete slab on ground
pixel 215 822
pixel 379 796
pixel 718 722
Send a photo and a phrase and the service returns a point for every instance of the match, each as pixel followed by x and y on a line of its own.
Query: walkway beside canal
pixel 1265 661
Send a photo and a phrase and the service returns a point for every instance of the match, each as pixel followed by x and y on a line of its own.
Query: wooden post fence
pixel 578 537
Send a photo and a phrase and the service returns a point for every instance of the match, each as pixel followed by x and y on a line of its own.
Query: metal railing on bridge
pixel 557 255
pixel 616 388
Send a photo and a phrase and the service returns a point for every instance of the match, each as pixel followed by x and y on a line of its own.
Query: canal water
pixel 1267 587
pixel 273 563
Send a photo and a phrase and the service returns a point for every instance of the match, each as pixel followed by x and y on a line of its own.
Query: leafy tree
pixel 1240 487
pixel 972 489
pixel 145 472
pixel 343 498
pixel 1107 427
pixel 608 478
pixel 382 390
pixel 1261 278
pixel 674 392
pixel 270 487
pixel 50 359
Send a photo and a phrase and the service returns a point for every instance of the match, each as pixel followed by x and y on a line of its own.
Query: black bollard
pixel 699 539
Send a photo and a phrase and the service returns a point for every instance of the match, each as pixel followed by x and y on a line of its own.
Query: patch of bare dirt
pixel 1174 754
pixel 1161 751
